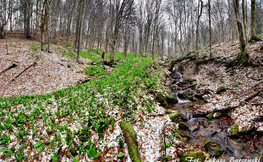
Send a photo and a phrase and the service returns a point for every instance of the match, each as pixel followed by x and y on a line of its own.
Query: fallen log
pixel 10 67
pixel 34 63
pixel 130 138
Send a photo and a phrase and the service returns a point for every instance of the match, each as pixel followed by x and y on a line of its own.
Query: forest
pixel 131 80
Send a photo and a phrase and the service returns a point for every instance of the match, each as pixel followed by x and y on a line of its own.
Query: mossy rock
pixel 165 97
pixel 169 111
pixel 216 151
pixel 210 116
pixel 221 90
pixel 189 95
pixel 234 130
pixel 206 143
pixel 130 138
pixel 183 134
pixel 182 125
pixel 175 116
pixel 198 156
pixel 179 136
pixel 171 98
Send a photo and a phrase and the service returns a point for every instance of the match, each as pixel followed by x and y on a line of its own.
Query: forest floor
pixel 46 114
pixel 51 72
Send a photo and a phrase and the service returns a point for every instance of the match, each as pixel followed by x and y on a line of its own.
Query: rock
pixel 189 95
pixel 234 130
pixel 182 125
pixel 221 90
pixel 210 116
pixel 206 124
pixel 175 116
pixel 216 151
pixel 194 156
pixel 206 143
pixel 195 127
pixel 183 134
pixel 130 138
pixel 165 97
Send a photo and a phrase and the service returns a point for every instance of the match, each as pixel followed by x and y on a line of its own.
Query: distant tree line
pixel 168 28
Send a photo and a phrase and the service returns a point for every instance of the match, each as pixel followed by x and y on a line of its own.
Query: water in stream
pixel 216 130
pixel 199 129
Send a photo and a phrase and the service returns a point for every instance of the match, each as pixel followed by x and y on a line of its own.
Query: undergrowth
pixel 47 120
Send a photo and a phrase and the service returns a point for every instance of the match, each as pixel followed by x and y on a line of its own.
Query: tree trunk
pixel 69 21
pixel 210 28
pixel 198 20
pixel 243 57
pixel 80 28
pixel 254 37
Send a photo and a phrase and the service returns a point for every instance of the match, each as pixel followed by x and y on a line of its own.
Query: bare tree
pixel 243 57
pixel 210 28
pixel 122 11
pixel 200 11
pixel 82 3
pixel 5 14
pixel 254 37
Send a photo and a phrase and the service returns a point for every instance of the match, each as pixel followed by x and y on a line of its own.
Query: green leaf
pixel 38 144
pixel 120 155
pixel 41 147
pixel 4 150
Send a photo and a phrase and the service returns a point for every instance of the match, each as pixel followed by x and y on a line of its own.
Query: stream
pixel 245 146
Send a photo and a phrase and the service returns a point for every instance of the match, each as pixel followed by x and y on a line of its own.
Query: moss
pixel 185 135
pixel 244 129
pixel 165 97
pixel 210 116
pixel 217 115
pixel 182 125
pixel 130 138
pixel 200 156
pixel 175 116
pixel 234 130
pixel 179 136
pixel 169 111
pixel 189 95
pixel 180 153
pixel 216 151
pixel 206 142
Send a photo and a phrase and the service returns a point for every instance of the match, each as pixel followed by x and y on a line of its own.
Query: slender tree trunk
pixel 70 20
pixel 253 21
pixel 243 57
pixel 80 28
pixel 210 28
pixel 200 9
